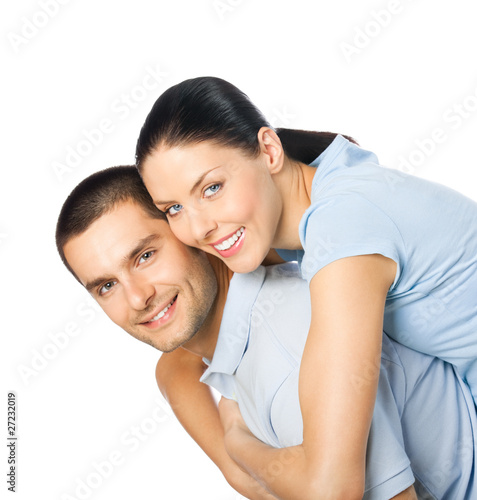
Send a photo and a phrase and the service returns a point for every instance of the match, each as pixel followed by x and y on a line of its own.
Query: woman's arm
pixel 269 462
pixel 177 375
pixel 338 383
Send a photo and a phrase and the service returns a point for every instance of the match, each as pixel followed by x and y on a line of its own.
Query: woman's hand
pixel 236 431
pixel 255 458
pixel 178 376
pixel 337 389
pixel 231 417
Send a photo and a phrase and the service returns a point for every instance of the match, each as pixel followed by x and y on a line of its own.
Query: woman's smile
pixel 220 200
pixel 231 244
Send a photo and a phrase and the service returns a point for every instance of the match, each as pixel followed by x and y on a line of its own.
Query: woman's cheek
pixel 237 204
pixel 251 205
pixel 180 231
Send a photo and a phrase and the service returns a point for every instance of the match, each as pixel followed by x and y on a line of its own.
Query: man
pixel 111 237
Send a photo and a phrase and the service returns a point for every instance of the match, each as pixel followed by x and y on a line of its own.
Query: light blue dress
pixel 359 207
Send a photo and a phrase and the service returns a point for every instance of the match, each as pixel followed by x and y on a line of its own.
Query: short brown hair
pixel 97 195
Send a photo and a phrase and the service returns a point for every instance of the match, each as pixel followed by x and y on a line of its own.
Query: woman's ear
pixel 272 149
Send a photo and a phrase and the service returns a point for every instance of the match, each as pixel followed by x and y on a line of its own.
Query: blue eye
pixel 211 190
pixel 174 210
pixel 106 287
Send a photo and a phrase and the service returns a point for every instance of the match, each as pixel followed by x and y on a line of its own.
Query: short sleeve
pixel 287 255
pixel 347 225
pixel 388 468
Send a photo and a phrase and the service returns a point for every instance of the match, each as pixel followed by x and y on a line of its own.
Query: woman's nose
pixel 202 225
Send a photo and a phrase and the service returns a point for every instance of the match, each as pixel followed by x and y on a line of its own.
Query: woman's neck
pixel 294 183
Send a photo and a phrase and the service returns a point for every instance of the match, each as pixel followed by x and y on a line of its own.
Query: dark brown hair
pixel 212 109
pixel 97 195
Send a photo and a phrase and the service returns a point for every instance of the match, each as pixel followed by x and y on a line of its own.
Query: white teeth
pixel 161 314
pixel 225 245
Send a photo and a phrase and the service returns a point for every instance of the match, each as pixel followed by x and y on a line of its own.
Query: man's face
pixel 151 285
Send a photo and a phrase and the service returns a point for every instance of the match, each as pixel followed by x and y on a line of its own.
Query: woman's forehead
pixel 184 167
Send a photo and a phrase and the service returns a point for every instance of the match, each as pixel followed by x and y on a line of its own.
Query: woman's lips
pixel 231 244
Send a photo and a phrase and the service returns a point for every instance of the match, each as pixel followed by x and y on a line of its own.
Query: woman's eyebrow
pixel 193 189
pixel 201 178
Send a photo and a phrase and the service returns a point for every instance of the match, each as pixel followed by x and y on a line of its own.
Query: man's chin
pixel 166 346
pixel 173 346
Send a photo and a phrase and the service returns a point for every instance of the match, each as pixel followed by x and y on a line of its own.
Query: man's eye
pixel 106 287
pixel 211 190
pixel 174 210
pixel 145 256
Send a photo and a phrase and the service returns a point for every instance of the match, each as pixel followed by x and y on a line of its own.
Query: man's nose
pixel 139 293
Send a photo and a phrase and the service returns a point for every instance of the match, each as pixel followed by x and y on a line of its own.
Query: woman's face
pixel 217 199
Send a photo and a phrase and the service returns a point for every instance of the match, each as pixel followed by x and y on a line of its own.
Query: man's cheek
pixel 114 315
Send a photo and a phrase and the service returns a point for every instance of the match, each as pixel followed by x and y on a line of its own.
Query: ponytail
pixel 304 145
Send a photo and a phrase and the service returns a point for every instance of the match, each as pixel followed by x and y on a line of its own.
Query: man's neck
pixel 204 341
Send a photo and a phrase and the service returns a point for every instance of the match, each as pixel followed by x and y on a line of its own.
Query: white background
pixel 389 80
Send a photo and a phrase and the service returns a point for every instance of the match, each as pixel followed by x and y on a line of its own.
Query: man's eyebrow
pixel 194 187
pixel 141 244
pixel 91 285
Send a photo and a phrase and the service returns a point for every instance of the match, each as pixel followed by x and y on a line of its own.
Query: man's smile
pixel 161 315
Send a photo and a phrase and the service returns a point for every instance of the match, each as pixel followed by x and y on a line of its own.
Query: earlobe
pixel 271 147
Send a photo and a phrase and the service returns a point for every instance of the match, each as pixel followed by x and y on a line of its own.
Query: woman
pixel 378 248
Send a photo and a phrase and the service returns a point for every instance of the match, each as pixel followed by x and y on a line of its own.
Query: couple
pixel 168 295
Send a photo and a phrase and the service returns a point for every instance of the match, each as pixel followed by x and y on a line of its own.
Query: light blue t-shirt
pixel 359 207
pixel 424 423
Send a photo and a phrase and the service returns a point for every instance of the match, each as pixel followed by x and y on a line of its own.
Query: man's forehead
pixel 113 239
pixel 127 223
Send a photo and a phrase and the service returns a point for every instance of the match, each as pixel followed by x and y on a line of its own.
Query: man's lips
pixel 160 312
